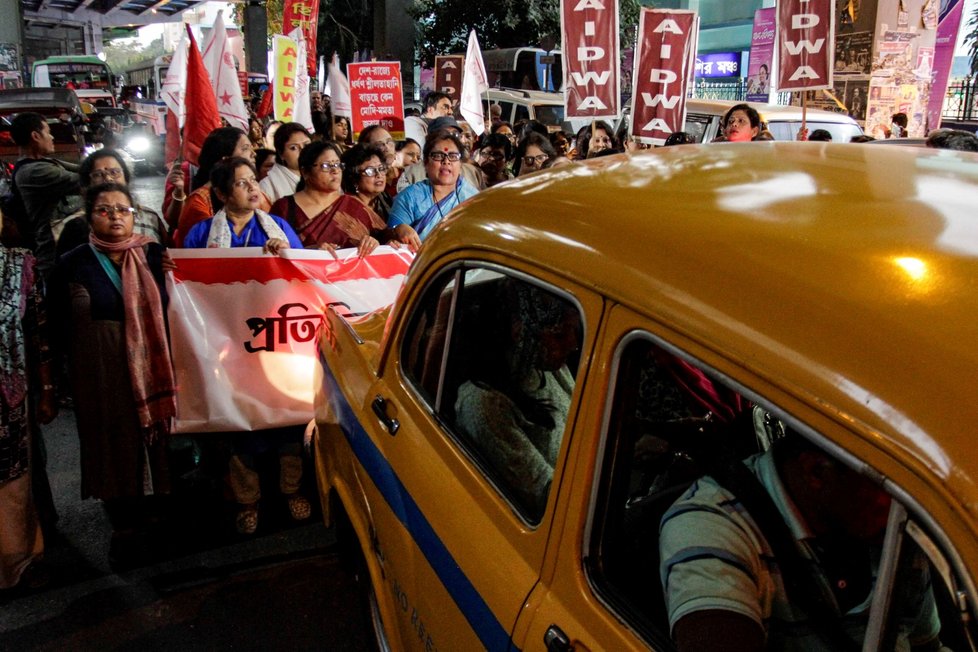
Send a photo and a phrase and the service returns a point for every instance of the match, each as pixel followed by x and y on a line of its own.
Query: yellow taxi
pixel 500 447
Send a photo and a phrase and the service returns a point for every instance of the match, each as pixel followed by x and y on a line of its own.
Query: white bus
pixel 148 105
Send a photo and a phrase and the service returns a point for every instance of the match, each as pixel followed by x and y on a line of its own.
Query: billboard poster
pixel 806 38
pixel 761 59
pixel 376 96
pixel 664 63
pixel 589 32
pixel 947 35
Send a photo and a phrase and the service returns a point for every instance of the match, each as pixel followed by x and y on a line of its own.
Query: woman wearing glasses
pixel 113 299
pixel 365 173
pixel 421 206
pixel 533 153
pixel 323 217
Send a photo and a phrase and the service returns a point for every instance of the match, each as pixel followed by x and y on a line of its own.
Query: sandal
pixel 246 521
pixel 299 507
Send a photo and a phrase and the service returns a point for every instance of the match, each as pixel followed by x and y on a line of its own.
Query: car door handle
pixel 556 640
pixel 379 406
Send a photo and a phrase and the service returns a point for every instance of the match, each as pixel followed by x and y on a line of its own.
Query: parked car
pixel 63 112
pixel 516 105
pixel 497 448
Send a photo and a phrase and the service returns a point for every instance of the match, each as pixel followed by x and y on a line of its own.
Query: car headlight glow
pixel 138 144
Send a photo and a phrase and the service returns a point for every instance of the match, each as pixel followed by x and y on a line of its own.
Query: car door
pixel 463 539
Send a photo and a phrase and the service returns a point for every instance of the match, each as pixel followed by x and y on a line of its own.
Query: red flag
pixel 172 150
pixel 202 114
pixel 265 106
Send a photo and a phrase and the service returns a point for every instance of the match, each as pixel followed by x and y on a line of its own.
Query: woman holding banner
pixel 323 217
pixel 241 223
pixel 421 206
pixel 221 144
pixel 113 299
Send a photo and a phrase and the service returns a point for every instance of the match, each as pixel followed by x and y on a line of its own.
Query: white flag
pixel 475 82
pixel 321 82
pixel 302 113
pixel 224 77
pixel 339 89
pixel 171 89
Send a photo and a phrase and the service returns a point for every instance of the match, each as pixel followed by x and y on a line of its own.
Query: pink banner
pixel 806 44
pixel 947 36
pixel 664 65
pixel 761 56
pixel 375 96
pixel 243 334
pixel 589 29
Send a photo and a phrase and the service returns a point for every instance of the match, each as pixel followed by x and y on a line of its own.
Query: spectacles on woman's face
pixel 441 157
pixel 374 170
pixel 539 159
pixel 105 211
pixel 245 184
pixel 106 173
pixel 330 167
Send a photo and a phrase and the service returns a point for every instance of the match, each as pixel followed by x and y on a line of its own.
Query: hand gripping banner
pixel 243 328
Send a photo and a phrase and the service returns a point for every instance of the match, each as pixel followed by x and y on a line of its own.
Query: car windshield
pixel 841 132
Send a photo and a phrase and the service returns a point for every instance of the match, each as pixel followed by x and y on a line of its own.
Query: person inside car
pixel 725 586
pixel 515 405
pixel 741 124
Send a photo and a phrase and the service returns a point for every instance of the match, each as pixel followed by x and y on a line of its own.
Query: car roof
pixel 519 94
pixel 845 274
pixel 769 112
pixel 26 97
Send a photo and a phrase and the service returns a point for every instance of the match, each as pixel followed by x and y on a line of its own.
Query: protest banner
pixel 663 70
pixel 448 76
pixel 285 55
pixel 806 44
pixel 761 60
pixel 243 328
pixel 589 31
pixel 304 15
pixel 375 96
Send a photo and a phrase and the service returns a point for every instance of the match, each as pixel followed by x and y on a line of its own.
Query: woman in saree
pixel 240 223
pixel 421 206
pixel 26 398
pixel 365 177
pixel 324 217
pixel 114 300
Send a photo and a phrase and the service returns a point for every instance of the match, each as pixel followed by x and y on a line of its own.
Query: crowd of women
pixel 275 186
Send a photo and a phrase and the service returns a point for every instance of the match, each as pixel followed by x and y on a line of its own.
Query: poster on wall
pixel 761 56
pixel 947 35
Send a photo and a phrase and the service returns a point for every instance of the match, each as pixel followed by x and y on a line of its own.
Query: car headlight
pixel 138 144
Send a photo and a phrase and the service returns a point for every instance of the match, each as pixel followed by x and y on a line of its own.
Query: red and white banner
pixel 243 328
pixel 375 96
pixel 589 31
pixel 664 67
pixel 304 15
pixel 448 76
pixel 806 44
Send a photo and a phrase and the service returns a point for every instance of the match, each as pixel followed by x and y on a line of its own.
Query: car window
pixel 507 112
pixel 495 355
pixel 549 114
pixel 522 113
pixel 696 126
pixel 689 518
pixel 841 132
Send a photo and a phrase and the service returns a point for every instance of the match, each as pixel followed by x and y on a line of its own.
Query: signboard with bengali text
pixel 375 96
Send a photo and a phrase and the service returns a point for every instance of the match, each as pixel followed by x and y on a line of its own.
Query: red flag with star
pixel 202 114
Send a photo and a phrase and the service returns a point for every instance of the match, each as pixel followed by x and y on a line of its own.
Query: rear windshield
pixel 549 114
pixel 841 132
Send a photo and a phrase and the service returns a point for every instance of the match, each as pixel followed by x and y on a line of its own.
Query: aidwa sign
pixel 448 76
pixel 663 69
pixel 806 44
pixel 589 29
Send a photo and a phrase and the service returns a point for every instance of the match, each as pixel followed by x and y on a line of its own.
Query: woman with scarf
pixel 240 223
pixel 114 294
pixel 281 181
pixel 323 217
pixel 24 366
pixel 421 206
